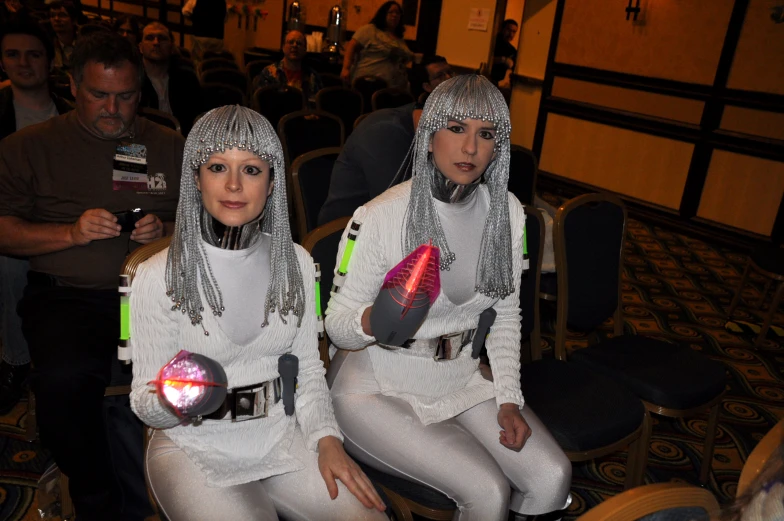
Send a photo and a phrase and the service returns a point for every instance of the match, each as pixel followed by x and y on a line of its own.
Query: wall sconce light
pixel 633 10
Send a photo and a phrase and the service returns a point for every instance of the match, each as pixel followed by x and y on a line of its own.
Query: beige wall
pixel 742 191
pixel 456 43
pixel 649 168
pixel 535 33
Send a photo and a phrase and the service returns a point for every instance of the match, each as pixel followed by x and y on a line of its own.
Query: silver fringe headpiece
pixel 187 266
pixel 464 97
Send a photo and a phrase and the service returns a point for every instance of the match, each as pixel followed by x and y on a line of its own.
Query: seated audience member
pixel 61 188
pixel 283 455
pixel 62 17
pixel 128 27
pixel 291 70
pixel 168 86
pixel 431 71
pixel 370 159
pixel 26 53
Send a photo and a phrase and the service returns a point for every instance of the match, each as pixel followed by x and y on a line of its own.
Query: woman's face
pixel 463 149
pixel 234 186
pixel 393 17
pixel 126 31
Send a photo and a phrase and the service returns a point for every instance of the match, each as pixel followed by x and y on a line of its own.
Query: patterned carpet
pixel 675 287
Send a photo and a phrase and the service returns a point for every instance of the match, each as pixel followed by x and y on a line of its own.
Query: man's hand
pixel 335 463
pixel 93 225
pixel 515 429
pixel 148 229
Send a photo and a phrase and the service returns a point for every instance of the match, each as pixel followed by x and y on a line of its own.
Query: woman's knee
pixel 549 489
pixel 484 493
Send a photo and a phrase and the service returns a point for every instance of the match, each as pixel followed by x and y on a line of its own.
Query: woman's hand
pixel 345 75
pixel 515 430
pixel 366 321
pixel 335 463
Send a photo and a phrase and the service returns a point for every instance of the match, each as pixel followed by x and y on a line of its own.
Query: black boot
pixel 12 380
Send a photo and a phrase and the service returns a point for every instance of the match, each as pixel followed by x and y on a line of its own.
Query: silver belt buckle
pixel 449 346
pixel 250 402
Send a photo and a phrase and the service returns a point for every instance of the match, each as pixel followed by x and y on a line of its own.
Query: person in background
pixel 370 160
pixel 429 72
pixel 504 53
pixel 62 17
pixel 291 70
pixel 378 49
pixel 128 27
pixel 168 86
pixel 208 17
pixel 26 54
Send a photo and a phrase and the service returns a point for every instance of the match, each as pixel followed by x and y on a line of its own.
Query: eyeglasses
pixel 295 42
pixel 62 16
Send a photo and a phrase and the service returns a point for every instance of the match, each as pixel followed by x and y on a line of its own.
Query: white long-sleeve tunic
pixel 230 453
pixel 436 390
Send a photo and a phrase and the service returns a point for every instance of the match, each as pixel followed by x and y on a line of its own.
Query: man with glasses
pixel 372 156
pixel 291 70
pixel 62 18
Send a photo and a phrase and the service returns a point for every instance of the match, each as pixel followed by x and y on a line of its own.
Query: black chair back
pixel 217 95
pixel 331 80
pixel 367 85
pixel 217 63
pixel 305 131
pixel 390 98
pixel 529 285
pixel 255 67
pixel 161 118
pixel 322 244
pixel 257 53
pixel 311 173
pixel 588 235
pixel 231 77
pixel 226 55
pixel 522 174
pixel 343 103
pixel 273 102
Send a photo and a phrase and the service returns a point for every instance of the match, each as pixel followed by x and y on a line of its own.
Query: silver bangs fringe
pixel 464 97
pixel 187 266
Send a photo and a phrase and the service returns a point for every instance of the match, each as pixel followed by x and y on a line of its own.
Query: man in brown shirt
pixel 61 183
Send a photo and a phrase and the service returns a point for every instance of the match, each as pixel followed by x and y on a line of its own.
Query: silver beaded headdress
pixel 464 97
pixel 187 266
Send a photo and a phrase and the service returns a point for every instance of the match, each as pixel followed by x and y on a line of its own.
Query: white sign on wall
pixel 478 19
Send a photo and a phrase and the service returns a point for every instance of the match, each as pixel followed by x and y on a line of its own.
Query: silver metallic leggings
pixel 460 457
pixel 182 493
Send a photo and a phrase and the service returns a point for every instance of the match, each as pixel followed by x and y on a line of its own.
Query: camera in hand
pixel 129 218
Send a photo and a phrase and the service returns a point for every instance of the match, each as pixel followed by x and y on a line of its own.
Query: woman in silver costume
pixel 425 413
pixel 233 287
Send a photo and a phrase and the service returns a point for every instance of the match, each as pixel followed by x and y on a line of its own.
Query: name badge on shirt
pixel 129 171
